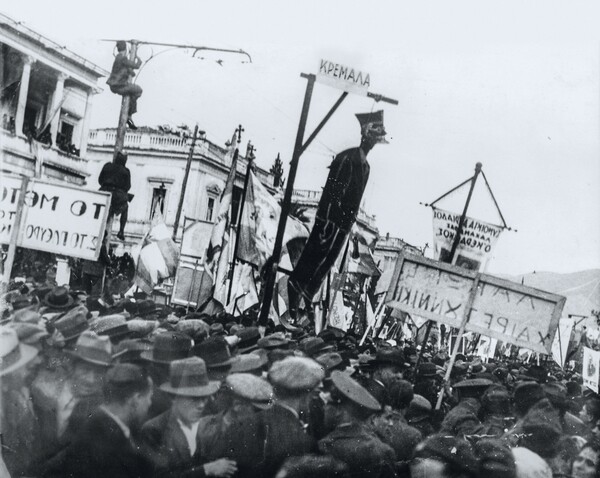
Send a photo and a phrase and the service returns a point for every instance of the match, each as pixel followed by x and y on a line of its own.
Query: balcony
pixel 16 148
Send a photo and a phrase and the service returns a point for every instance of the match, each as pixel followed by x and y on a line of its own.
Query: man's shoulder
pixel 157 423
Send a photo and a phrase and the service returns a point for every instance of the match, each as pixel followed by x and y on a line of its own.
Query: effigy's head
pixel 371 126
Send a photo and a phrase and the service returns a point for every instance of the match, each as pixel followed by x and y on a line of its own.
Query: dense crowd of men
pixel 125 387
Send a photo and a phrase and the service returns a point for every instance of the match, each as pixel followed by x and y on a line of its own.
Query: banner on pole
pixel 591 367
pixel 500 309
pixel 57 218
pixel 560 345
pixel 186 288
pixel 486 347
pixel 477 239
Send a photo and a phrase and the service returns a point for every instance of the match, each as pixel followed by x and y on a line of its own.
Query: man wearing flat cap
pixel 245 394
pixel 262 442
pixel 336 213
pixel 352 442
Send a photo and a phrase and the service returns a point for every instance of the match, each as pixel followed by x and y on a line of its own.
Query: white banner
pixel 477 240
pixel 57 218
pixel 560 344
pixel 486 347
pixel 591 365
pixel 496 307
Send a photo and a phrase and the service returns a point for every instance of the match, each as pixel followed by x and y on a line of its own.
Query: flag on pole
pixel 562 338
pixel 216 258
pixel 244 294
pixel 259 223
pixel 155 257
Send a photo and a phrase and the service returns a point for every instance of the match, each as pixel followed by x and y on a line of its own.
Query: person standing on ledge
pixel 336 213
pixel 122 71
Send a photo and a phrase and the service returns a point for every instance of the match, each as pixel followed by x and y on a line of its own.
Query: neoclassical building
pixel 46 103
pixel 157 160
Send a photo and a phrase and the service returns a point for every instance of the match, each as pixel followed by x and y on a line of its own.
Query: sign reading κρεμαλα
pixel 343 77
pixel 57 218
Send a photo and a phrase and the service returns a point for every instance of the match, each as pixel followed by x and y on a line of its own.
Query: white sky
pixel 512 84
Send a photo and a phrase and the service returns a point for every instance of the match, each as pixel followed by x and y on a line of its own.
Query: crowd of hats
pixel 203 353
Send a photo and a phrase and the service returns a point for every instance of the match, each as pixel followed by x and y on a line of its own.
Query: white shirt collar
pixel 124 428
pixel 190 434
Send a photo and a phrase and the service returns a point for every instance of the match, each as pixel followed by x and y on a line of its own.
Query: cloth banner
pixel 560 345
pixel 339 316
pixel 156 257
pixel 361 259
pixel 486 347
pixel 418 320
pixel 243 293
pixel 476 244
pixel 259 223
pixel 591 366
pixel 216 258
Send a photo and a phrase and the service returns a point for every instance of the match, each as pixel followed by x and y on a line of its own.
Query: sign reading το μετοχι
pixel 57 218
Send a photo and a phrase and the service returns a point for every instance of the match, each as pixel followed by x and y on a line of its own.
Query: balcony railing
pixel 19 145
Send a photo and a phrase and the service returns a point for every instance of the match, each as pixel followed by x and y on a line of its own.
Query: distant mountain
pixel 582 289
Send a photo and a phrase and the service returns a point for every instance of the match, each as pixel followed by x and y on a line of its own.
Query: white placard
pixel 57 218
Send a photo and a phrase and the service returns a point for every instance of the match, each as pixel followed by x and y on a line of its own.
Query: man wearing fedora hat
pixel 106 445
pixel 174 436
pixel 58 300
pixel 92 356
pixel 167 347
pixel 18 418
pixel 349 406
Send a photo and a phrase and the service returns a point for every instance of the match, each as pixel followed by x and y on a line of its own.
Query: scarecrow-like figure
pixel 336 213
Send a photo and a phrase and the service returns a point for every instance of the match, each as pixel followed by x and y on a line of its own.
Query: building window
pixel 157 206
pixel 210 209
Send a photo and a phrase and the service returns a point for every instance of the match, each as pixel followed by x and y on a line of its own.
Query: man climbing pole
pixel 116 179
pixel 336 213
pixel 122 70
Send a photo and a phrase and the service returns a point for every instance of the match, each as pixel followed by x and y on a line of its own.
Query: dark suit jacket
pixel 100 450
pixel 261 443
pixel 365 454
pixel 169 448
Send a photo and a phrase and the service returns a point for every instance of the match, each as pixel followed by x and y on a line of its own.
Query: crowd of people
pixel 125 387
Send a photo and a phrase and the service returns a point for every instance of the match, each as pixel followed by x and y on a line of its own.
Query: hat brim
pixel 220 364
pixel 71 337
pixel 147 355
pixel 69 303
pixel 199 391
pixel 27 352
pixel 74 354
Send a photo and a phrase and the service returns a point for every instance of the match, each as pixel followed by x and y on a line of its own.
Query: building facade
pixel 307 200
pixel 386 252
pixel 157 160
pixel 46 103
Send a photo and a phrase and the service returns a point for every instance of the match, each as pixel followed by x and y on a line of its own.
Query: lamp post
pixel 186 176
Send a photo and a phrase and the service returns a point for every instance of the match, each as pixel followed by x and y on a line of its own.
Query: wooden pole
pixel 124 113
pixel 450 259
pixel 461 331
pixel 188 165
pixel 14 234
pixel 285 207
pixel 249 167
